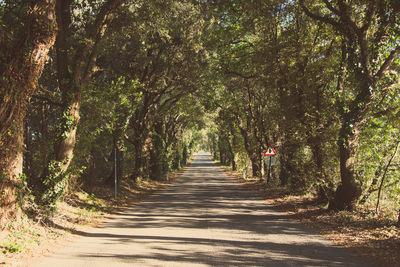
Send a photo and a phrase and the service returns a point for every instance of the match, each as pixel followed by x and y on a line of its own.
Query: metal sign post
pixel 262 168
pixel 269 170
pixel 270 152
pixel 115 173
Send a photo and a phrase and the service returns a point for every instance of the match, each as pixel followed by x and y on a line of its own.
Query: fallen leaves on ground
pixel 372 237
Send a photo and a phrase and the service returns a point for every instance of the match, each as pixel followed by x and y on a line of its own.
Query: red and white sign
pixel 270 152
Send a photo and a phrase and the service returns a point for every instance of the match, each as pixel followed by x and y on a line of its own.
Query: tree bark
pixel 141 132
pixel 325 186
pixel 359 53
pixel 349 190
pixel 18 84
pixel 256 164
pixel 73 77
pixel 158 164
pixel 73 85
pixel 231 154
pixel 64 146
pixel 284 161
pixel 254 155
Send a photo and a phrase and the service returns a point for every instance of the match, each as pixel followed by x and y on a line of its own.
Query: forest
pixel 91 89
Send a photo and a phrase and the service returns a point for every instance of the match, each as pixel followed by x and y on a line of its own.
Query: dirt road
pixel 204 219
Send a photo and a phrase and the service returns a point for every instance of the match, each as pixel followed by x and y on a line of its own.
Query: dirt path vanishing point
pixel 204 219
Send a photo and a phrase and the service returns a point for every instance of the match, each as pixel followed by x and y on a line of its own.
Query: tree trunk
pixel 11 169
pixel 138 168
pixel 54 174
pixel 231 156
pixel 234 143
pixel 139 137
pixel 254 156
pixel 64 147
pixel 325 186
pixel 158 163
pixel 284 161
pixel 184 155
pixel 256 164
pixel 90 172
pixel 73 77
pixel 214 148
pixel 360 46
pixel 398 220
pixel 349 190
pixel 18 85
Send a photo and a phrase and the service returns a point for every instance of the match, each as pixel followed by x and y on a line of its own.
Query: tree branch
pixel 368 17
pixel 331 8
pixel 321 18
pixel 388 62
pixel 97 34
pixel 231 72
pixel 343 14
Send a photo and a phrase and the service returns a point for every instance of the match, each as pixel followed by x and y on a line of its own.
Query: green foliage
pixel 232 77
pixel 12 246
pixel 55 184
pixel 65 123
pixel 378 145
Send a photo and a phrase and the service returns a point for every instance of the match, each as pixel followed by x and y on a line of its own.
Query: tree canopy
pixel 94 88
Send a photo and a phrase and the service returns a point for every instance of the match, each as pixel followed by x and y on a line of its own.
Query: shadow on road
pixel 206 218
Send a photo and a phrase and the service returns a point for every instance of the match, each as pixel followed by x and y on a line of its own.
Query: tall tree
pixel 22 60
pixel 368 52
pixel 160 47
pixel 77 46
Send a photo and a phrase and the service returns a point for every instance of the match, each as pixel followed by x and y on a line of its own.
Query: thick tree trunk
pixel 231 156
pixel 18 85
pixel 146 157
pixel 138 168
pixel 233 164
pixel 222 156
pixel 214 148
pixel 184 155
pixel 254 156
pixel 256 164
pixel 158 164
pixel 284 161
pixel 138 141
pixel 325 186
pixel 73 77
pixel 64 147
pixel 11 157
pixel 90 172
pixel 117 158
pixel 349 190
pixel 359 49
pixel 54 173
pixel 234 157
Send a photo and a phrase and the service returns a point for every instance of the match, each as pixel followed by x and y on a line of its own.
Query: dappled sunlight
pixel 206 219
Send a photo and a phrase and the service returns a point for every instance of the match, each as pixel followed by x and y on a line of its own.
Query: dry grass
pixel 372 237
pixel 25 240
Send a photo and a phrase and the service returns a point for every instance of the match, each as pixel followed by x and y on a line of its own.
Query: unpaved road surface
pixel 204 219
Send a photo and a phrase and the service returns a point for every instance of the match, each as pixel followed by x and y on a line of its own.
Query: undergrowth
pixel 33 228
pixel 34 231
